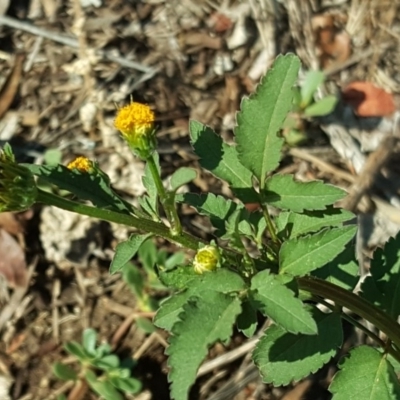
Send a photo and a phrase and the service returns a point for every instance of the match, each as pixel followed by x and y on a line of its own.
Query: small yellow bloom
pixel 136 124
pixel 82 164
pixel 206 259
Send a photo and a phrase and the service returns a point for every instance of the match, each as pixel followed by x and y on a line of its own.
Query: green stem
pixel 146 225
pixel 169 207
pixel 270 225
pixel 356 304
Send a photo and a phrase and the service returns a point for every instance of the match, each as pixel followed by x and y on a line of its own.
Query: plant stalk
pixel 169 207
pixel 356 304
pixel 183 239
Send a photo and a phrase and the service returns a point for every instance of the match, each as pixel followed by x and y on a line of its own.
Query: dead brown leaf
pixel 368 100
pixel 10 87
pixel 12 261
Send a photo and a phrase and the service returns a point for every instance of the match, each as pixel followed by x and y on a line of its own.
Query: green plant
pixel 143 281
pixel 305 107
pixel 101 369
pixel 281 264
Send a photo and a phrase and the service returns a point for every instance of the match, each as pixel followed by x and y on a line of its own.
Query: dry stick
pixel 386 208
pixel 72 42
pixel 370 171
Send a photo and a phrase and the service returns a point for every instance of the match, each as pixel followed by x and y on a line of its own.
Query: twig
pixel 372 167
pixel 72 42
pixel 227 357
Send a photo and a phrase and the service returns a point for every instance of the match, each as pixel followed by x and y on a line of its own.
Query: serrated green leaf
pixel 279 303
pixel 89 338
pixel 302 255
pixel 282 191
pixel 322 107
pixel 178 278
pixel 94 187
pixel 64 372
pixel 283 357
pixel 382 287
pixel 181 177
pixel 262 115
pixel 290 225
pixel 365 374
pixel 150 185
pixel 204 321
pixel 311 82
pixel 222 160
pixel 217 208
pixel 222 280
pixel 342 270
pixel 169 310
pixel 247 320
pixel 126 250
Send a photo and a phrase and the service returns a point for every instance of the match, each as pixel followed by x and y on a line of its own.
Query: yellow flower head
pixel 206 259
pixel 82 164
pixel 136 124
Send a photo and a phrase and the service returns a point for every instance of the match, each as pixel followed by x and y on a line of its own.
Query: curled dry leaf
pixel 219 22
pixel 333 44
pixel 367 100
pixel 9 90
pixel 12 261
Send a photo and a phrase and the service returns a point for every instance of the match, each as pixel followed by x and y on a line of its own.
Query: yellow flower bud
pixel 82 164
pixel 136 124
pixel 18 189
pixel 206 259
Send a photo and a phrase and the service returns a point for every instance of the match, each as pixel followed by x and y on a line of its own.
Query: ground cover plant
pixel 294 253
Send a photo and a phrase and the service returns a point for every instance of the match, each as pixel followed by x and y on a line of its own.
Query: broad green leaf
pixel 311 82
pixel 342 270
pixel 64 372
pixel 283 192
pixel 382 287
pixel 77 350
pixel 217 208
pixel 94 187
pixel 365 374
pixel 103 388
pixel 247 320
pixel 126 250
pixel 322 107
pixel 283 357
pixel 222 280
pixel 127 385
pixel 222 160
pixel 89 338
pixel 148 255
pixel 262 115
pixel 181 177
pixel 132 276
pixel 290 225
pixel 52 157
pixel 279 303
pixel 302 255
pixel 107 362
pixel 204 321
